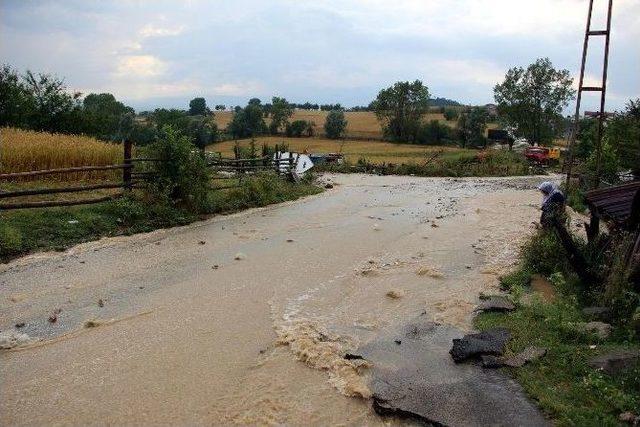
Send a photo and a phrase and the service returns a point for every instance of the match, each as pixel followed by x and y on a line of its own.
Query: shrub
pixel 296 128
pixel 181 176
pixel 433 133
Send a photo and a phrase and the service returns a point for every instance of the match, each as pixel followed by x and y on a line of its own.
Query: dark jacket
pixel 553 208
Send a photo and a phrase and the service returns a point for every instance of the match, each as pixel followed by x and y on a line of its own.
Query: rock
pixel 600 329
pixel 492 341
pixel 616 361
pixel 602 314
pixel 328 186
pixel 496 303
pixel 350 356
pixel 202 242
pixel 629 418
pixel 20 325
pixel 529 354
pixel 240 256
pixel 53 318
pixel 100 302
pixel 290 240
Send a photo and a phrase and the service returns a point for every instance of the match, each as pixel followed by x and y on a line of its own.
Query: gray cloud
pixel 152 53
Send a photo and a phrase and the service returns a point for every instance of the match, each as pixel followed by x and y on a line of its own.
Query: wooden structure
pixel 601 115
pixel 222 169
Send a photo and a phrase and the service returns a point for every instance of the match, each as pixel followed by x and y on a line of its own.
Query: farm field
pixel 374 151
pixel 23 150
pixel 361 124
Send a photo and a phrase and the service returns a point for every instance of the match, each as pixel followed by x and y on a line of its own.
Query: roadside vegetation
pixel 563 383
pixel 22 232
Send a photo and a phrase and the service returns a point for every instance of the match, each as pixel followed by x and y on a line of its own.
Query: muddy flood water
pixel 246 318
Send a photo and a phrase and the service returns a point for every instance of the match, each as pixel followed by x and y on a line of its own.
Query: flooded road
pixel 246 318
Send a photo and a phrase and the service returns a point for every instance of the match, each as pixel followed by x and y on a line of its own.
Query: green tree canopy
pixel 471 127
pixel 281 111
pixel 335 124
pixel 198 107
pixel 248 121
pixel 531 100
pixel 400 109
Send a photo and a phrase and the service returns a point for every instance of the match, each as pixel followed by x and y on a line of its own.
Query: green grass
pixel 562 383
pixel 452 164
pixel 25 231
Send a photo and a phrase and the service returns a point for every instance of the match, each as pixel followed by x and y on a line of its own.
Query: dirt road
pixel 246 318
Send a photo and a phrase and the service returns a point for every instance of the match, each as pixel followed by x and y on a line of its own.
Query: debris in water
pixel 290 240
pixel 369 272
pixel 395 293
pixel 9 340
pixel 215 267
pixel 93 323
pixel 397 342
pixel 20 325
pixel 240 256
pixel 429 271
pixel 100 302
pixel 434 225
pixel 350 356
pixel 53 318
pixel 17 298
pixel 202 242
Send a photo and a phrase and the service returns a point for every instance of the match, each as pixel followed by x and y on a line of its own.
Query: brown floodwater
pixel 184 333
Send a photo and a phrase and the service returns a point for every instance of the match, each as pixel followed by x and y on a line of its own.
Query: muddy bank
pixel 186 333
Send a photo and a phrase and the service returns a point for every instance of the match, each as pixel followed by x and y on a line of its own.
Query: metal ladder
pixel 601 115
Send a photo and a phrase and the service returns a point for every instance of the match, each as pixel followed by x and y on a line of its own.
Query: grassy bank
pixel 26 231
pixel 453 164
pixel 563 384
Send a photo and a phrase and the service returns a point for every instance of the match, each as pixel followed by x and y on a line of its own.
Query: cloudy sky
pixel 163 53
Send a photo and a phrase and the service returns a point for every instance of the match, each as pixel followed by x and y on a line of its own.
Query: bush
pixel 296 128
pixel 544 253
pixel 434 133
pixel 181 177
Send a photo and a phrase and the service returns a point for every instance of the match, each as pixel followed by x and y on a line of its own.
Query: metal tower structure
pixel 601 115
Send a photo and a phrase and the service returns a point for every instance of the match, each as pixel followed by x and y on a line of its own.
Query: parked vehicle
pixel 542 155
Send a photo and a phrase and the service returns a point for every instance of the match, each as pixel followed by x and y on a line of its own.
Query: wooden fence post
pixel 126 172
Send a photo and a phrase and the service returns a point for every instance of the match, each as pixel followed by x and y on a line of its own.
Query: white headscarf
pixel 548 188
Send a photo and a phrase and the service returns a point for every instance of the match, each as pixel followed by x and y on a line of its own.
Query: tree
pixel 54 109
pixel 248 121
pixel 450 114
pixel 623 133
pixel 472 125
pixel 532 100
pixel 220 107
pixel 400 109
pixel 198 107
pixel 15 100
pixel 281 111
pixel 202 131
pixel 103 116
pixel 335 124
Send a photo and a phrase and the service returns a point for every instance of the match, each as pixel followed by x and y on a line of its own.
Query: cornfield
pixel 23 150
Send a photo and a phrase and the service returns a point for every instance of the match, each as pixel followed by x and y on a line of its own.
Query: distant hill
pixel 443 102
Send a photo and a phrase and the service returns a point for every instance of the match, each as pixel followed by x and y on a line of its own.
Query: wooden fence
pixel 223 169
